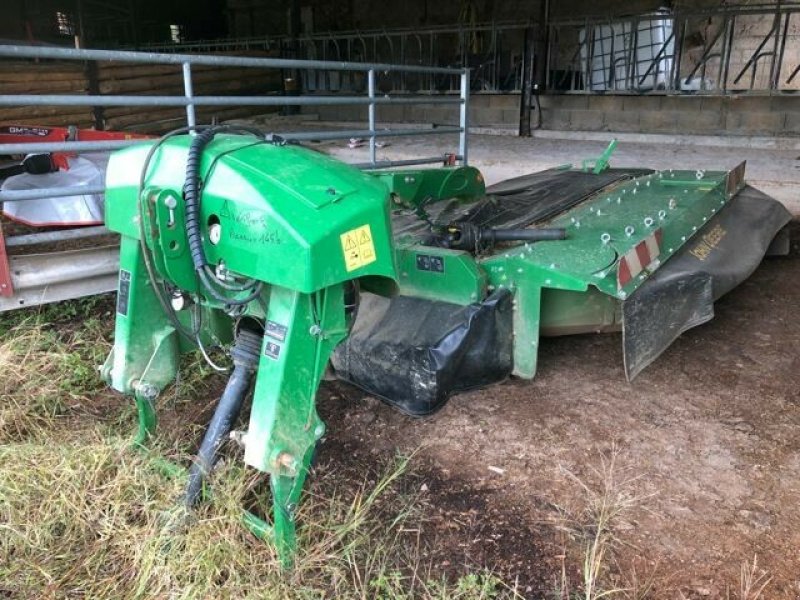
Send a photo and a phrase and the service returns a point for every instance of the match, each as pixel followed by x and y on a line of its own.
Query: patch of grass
pixel 604 498
pixel 92 518
pixel 84 515
pixel 47 373
pixel 71 313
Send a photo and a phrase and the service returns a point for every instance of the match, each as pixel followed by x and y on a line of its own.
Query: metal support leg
pixel 464 117
pixel 188 91
pixel 144 358
pixel 285 497
pixel 284 425
pixel 371 92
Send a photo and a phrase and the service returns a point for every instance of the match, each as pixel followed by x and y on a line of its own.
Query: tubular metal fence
pixel 189 100
pixel 30 279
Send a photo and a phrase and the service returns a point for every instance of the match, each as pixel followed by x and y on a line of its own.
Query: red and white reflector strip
pixel 638 258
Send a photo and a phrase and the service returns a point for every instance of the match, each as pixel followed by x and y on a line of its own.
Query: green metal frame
pixel 306 225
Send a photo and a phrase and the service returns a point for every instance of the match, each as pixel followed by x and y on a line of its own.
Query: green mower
pixel 411 284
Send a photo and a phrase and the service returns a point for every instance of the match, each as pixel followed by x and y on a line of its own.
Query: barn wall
pixel 734 114
pixel 118 78
pixel 687 115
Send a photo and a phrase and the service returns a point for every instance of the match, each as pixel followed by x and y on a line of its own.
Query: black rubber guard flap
pixel 414 353
pixel 681 294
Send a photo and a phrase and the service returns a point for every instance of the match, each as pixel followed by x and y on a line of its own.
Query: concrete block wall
pixel 686 115
pixel 485 110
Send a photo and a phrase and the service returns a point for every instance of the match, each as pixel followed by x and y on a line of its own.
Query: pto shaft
pixel 245 355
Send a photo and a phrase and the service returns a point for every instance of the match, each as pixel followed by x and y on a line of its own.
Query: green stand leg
pixel 302 330
pixel 285 497
pixel 158 373
pixel 147 419
pixel 144 359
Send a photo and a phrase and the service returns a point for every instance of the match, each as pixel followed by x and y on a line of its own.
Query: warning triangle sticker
pixel 357 247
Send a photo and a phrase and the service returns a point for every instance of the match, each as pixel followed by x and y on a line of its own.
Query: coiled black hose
pixel 191 196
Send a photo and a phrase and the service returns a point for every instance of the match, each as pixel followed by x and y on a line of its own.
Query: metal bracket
pixel 601 163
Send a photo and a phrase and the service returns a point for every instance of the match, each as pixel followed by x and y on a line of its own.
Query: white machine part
pixel 86 209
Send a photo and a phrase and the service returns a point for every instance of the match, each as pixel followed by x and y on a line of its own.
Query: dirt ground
pixel 709 436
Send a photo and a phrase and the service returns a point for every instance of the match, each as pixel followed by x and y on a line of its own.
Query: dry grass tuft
pixel 47 374
pixel 603 499
pixel 752 580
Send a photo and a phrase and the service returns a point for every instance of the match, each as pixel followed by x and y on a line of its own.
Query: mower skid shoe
pixel 681 294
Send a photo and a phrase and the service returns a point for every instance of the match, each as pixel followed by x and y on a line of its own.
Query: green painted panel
pixel 420 186
pixel 440 274
pixel 284 215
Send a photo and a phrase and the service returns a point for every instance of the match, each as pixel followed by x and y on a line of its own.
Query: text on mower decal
pixel 708 242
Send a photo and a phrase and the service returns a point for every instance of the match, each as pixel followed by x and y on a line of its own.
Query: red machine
pixel 51 170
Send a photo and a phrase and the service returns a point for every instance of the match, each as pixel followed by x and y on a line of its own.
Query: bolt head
pixel 288 462
pixel 178 302
pixel 215 234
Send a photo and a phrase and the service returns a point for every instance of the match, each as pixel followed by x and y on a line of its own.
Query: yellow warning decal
pixel 357 247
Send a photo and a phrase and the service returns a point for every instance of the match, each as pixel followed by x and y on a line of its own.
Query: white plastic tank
pixel 630 54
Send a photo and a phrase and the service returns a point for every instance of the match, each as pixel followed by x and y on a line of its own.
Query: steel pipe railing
pixel 190 101
pixel 105 146
pixel 13 51
pixel 48 237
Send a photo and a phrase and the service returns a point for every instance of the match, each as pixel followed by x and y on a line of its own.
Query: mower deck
pixel 646 252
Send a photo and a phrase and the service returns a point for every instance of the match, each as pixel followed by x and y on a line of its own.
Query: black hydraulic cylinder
pixel 245 355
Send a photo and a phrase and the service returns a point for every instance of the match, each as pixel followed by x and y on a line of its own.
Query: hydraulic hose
pixel 245 354
pixel 191 195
